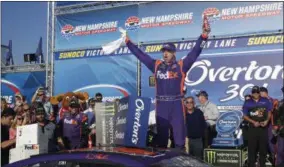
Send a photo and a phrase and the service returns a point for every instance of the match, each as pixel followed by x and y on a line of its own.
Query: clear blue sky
pixel 24 23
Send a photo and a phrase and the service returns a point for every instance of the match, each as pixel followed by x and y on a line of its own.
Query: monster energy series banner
pixel 104 123
pixel 225 157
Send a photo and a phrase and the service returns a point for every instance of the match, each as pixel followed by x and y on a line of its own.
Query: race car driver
pixel 170 75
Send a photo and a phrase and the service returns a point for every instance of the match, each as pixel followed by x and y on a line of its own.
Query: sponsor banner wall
pixel 151 22
pixel 228 74
pixel 114 77
pixel 25 82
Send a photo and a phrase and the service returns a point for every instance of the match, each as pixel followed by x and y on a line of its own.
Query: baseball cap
pixel 202 93
pixel 169 47
pixel 263 89
pixel 8 112
pixel 255 89
pixel 40 109
pixel 18 94
pixel 74 103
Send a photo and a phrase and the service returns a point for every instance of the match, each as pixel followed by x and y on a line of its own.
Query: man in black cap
pixel 211 115
pixel 48 127
pixel 7 116
pixel 257 112
pixel 98 97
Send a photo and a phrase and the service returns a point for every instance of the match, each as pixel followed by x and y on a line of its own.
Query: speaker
pixel 29 57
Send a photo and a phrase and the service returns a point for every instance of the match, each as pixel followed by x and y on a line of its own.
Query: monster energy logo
pixel 211 157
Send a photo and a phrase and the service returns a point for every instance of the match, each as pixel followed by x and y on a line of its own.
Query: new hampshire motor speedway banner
pixel 24 82
pixel 151 22
pixel 226 69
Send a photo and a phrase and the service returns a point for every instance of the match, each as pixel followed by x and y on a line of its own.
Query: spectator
pixel 72 130
pixel 47 126
pixel 211 115
pixel 99 97
pixel 29 115
pixel 7 117
pixel 3 104
pixel 90 112
pixel 257 111
pixel 19 101
pixel 274 102
pixel 195 125
pixel 40 96
pixel 18 121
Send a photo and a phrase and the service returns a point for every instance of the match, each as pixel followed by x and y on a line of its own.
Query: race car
pixel 112 157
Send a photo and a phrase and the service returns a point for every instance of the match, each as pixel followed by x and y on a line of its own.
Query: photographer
pixel 40 96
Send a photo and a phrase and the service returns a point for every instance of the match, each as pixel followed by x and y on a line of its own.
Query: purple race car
pixel 111 157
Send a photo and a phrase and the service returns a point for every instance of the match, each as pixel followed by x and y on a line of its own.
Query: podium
pixel 124 123
pixel 131 121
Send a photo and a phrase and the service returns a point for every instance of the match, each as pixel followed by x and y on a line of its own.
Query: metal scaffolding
pixel 23 68
pixel 50 46
pixel 90 6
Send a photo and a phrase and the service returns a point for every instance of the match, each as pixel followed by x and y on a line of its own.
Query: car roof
pixel 116 155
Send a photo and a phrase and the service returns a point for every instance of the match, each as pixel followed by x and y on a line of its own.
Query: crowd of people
pixel 76 128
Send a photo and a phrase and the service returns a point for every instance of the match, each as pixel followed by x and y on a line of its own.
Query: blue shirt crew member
pixel 257 112
pixel 195 126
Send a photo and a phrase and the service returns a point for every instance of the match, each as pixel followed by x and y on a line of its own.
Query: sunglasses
pixel 255 92
pixel 189 102
pixel 40 94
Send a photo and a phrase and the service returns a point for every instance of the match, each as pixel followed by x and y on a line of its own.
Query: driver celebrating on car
pixel 170 76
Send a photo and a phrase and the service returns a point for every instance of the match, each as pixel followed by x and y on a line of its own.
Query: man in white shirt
pixel 211 115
